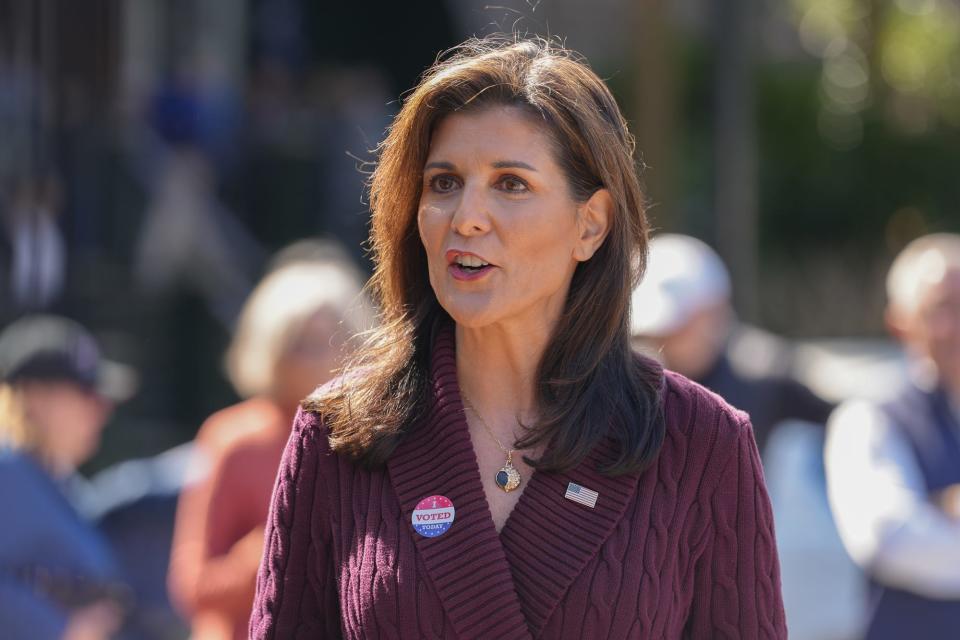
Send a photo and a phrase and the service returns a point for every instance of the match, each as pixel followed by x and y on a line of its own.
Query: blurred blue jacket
pixel 50 558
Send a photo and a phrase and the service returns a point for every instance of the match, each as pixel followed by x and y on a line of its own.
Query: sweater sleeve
pixel 737 584
pixel 296 585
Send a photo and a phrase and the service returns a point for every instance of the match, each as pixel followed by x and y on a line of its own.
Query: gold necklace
pixel 507 478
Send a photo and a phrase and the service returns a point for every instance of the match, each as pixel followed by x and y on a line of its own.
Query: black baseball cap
pixel 48 347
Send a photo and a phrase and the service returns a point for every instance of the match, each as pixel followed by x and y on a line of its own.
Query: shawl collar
pixel 494 585
pixel 548 539
pixel 466 564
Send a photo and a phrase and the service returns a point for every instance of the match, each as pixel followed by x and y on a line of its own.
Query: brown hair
pixel 590 386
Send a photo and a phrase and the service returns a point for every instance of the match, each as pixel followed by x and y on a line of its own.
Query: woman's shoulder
pixel 310 426
pixel 700 416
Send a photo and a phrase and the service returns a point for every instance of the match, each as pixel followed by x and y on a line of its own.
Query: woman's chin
pixel 469 316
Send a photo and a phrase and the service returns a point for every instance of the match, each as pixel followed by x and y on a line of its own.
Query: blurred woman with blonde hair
pixel 289 338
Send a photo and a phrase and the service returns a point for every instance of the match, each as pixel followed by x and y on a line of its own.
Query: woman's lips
pixel 463 272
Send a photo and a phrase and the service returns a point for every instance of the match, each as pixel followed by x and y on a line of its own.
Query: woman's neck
pixel 497 370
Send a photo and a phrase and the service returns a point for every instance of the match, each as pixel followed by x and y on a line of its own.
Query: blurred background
pixel 155 154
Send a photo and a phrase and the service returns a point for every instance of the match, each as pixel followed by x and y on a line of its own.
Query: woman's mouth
pixel 467 266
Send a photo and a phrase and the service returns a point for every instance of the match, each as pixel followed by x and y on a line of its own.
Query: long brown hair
pixel 589 386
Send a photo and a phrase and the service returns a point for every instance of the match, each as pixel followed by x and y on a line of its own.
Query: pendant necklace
pixel 507 478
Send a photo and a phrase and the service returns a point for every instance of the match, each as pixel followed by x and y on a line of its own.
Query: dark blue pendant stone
pixel 502 479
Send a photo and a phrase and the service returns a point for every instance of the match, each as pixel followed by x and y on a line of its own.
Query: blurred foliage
pixel 886 101
pixel 858 137
pixel 832 218
pixel 858 149
pixel 919 45
pixel 900 58
pixel 816 193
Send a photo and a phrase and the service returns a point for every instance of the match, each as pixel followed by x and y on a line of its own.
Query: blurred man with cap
pixel 682 313
pixel 58 578
pixel 48 347
pixel 893 467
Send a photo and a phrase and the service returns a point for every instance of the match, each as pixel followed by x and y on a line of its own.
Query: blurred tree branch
pixel 655 107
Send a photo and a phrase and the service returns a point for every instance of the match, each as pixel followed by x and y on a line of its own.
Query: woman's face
pixel 502 234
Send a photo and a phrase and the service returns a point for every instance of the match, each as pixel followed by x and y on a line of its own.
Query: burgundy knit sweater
pixel 684 549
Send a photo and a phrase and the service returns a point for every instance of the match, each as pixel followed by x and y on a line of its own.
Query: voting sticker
pixel 433 516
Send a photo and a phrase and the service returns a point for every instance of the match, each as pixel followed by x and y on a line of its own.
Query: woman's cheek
pixel 431 220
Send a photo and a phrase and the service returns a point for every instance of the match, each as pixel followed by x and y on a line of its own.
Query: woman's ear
pixel 593 223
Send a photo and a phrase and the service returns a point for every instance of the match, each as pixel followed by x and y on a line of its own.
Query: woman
pixel 285 344
pixel 496 462
pixel 58 578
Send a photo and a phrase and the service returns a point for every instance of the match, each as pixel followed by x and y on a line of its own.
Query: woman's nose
pixel 472 215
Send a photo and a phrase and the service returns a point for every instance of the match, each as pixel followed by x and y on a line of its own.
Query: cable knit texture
pixel 684 549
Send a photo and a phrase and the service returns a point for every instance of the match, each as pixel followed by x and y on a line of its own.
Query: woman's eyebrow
pixel 499 164
pixel 512 164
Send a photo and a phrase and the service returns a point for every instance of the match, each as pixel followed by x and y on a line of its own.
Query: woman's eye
pixel 443 183
pixel 512 184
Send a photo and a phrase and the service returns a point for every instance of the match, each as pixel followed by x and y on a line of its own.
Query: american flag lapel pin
pixel 581 495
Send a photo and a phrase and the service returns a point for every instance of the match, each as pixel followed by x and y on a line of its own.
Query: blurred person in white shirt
pixel 893 467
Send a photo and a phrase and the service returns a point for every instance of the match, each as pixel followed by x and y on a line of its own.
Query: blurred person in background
pixel 893 467
pixel 682 313
pixel 290 337
pixel 58 578
pixel 38 252
pixel 189 240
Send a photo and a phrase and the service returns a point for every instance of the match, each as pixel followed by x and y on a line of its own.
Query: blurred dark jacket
pixel 928 424
pixel 753 374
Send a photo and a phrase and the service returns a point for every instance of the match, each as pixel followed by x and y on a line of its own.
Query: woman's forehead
pixel 490 132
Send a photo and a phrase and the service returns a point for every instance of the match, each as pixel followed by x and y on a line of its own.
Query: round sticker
pixel 433 516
